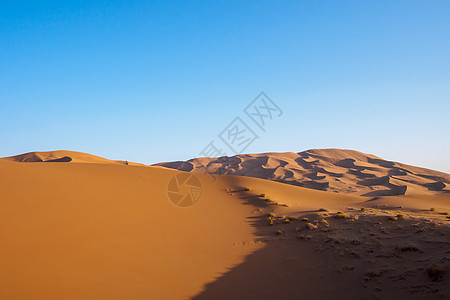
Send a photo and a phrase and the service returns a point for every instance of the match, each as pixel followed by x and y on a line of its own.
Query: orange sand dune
pixel 64 156
pixel 334 170
pixel 109 231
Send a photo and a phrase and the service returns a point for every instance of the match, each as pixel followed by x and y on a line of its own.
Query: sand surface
pixel 106 230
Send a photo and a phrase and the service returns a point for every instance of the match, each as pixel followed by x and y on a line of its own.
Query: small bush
pixel 305 220
pixel 292 218
pixel 400 215
pixel 262 195
pixel 392 218
pixel 323 209
pixel 311 226
pixel 286 221
pixel 354 254
pixel 445 213
pixel 303 237
pixel 408 249
pixel 270 222
pixel 324 222
pixel 340 215
pixel 435 273
pixel 433 209
pixel 363 209
pixel 271 215
pixel 248 189
pixel 269 200
pixel 279 232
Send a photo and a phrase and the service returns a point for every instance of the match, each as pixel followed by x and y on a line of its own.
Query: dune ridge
pixel 333 170
pixel 64 156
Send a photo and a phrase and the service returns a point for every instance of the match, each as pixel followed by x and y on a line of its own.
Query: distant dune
pixel 91 228
pixel 64 156
pixel 333 170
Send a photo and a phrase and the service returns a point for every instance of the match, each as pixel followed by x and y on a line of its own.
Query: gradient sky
pixel 152 81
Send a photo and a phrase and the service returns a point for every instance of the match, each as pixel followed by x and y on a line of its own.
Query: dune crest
pixel 333 170
pixel 64 156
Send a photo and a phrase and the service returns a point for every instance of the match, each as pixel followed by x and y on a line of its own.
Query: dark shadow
pixel 383 180
pixel 322 170
pixel 360 174
pixel 62 159
pixel 435 186
pixel 398 172
pixel 314 176
pixel 437 178
pixel 394 190
pixel 381 163
pixel 349 163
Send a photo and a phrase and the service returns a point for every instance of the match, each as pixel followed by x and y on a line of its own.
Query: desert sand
pixel 76 226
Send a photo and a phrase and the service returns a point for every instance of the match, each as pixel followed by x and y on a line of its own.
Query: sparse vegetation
pixel 363 209
pixel 286 221
pixel 303 237
pixel 340 215
pixel 324 222
pixel 279 232
pixel 400 215
pixel 435 273
pixel 292 218
pixel 305 220
pixel 354 254
pixel 270 222
pixel 311 226
pixel 271 215
pixel 392 218
pixel 408 249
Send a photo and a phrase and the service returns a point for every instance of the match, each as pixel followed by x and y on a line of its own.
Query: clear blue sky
pixel 152 81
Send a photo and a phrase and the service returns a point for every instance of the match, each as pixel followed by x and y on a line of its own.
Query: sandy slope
pixel 108 231
pixel 98 231
pixel 334 170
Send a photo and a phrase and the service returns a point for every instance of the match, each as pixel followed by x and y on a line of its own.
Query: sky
pixel 154 81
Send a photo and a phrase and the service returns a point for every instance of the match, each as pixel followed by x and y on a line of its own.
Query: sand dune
pixel 77 230
pixel 64 156
pixel 334 170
